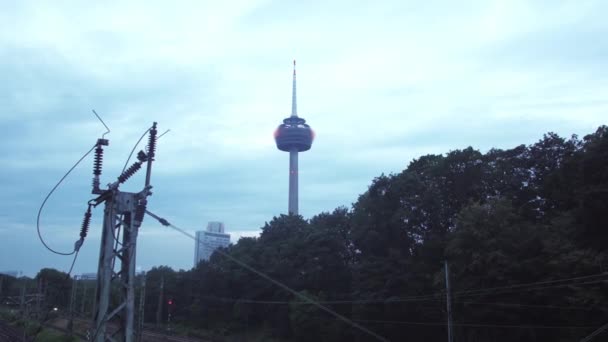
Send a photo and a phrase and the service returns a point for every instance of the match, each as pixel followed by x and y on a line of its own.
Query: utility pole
pixel 142 303
pixel 22 301
pixel 449 301
pixel 1 284
pixel 37 298
pixel 159 308
pixel 124 212
pixel 72 300
pixel 84 297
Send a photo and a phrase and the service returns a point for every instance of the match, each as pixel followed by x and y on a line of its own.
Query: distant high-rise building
pixel 87 276
pixel 207 241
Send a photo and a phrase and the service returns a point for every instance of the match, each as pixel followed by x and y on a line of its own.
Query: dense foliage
pixel 528 215
pixel 523 230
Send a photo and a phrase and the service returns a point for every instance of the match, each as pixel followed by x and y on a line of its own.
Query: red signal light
pixel 170 302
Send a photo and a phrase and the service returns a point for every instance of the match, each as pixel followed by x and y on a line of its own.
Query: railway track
pixel 161 337
pixel 148 335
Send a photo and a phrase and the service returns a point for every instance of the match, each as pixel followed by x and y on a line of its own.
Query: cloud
pixel 381 83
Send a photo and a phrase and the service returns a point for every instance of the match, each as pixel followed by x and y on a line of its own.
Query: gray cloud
pixel 380 84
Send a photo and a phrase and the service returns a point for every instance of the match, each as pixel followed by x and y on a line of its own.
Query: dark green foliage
pixel 507 217
pixel 57 286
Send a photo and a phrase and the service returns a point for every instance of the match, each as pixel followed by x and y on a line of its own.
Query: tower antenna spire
pixel 294 102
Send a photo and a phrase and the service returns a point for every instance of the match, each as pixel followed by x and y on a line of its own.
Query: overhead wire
pixel 137 144
pixel 73 263
pixel 515 286
pixel 595 333
pixel 401 300
pixel 530 289
pixel 434 297
pixel 133 149
pixel 46 199
pixel 276 282
pixel 539 306
pixel 484 325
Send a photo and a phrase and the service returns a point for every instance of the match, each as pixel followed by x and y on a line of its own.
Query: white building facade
pixel 207 241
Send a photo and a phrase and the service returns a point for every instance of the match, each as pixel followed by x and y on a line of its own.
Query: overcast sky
pixel 381 83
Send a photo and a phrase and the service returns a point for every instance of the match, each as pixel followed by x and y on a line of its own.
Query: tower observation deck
pixel 293 136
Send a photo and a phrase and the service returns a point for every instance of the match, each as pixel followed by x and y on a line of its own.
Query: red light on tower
pixel 170 302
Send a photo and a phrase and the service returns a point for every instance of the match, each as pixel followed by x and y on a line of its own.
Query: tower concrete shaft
pixel 293 155
pixel 293 182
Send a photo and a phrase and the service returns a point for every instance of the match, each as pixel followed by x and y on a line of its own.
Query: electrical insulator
pixel 86 222
pixel 152 142
pixel 97 164
pixel 129 172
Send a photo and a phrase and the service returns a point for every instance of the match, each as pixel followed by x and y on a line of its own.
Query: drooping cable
pixel 48 196
pixel 73 263
pixel 133 149
pixel 137 144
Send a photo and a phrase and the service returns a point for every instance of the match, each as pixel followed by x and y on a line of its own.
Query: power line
pixel 276 282
pixel 478 292
pixel 479 325
pixel 595 333
pixel 432 297
pixel 530 284
pixel 531 288
pixel 137 144
pixel 379 301
pixel 133 150
pixel 557 307
pixel 49 195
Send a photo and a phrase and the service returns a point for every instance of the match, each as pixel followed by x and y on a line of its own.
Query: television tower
pixel 293 136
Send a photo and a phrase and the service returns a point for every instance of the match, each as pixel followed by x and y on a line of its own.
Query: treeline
pixel 534 215
pixel 524 232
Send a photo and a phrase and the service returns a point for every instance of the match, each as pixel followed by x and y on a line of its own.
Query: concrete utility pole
pixel 159 308
pixel 72 300
pixel 142 303
pixel 449 301
pixel 122 210
pixel 22 301
pixel 84 297
pixel 39 299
